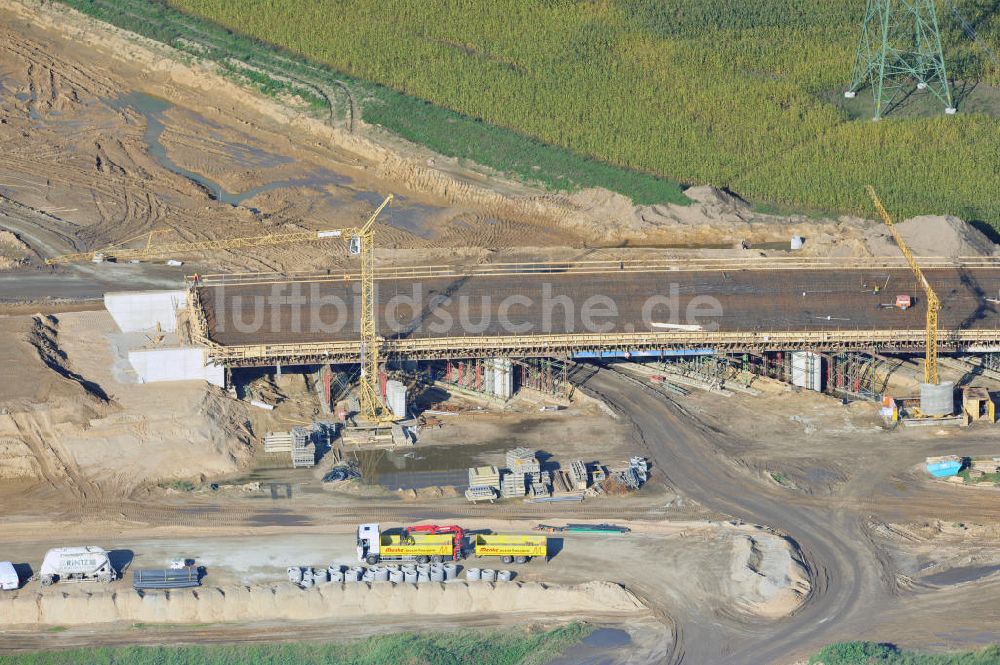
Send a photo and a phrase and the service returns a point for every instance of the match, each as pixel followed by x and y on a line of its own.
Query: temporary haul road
pixel 853 583
pixel 582 309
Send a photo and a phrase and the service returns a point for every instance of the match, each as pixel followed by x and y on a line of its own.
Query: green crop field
pixel 511 647
pixel 638 94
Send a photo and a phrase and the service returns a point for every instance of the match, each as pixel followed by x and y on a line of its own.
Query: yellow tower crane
pixel 933 303
pixel 361 242
pixel 119 252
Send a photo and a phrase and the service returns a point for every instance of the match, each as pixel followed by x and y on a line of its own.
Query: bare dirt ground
pixel 857 542
pixel 80 424
pixel 85 449
pixel 842 497
pixel 137 138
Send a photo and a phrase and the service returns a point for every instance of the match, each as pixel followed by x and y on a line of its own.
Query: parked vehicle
pixel 511 549
pixel 375 546
pixel 9 579
pixel 76 564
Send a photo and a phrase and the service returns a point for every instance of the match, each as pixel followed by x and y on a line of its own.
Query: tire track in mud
pixel 59 471
pixel 33 53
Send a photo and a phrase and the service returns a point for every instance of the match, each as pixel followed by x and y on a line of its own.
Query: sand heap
pixel 67 605
pixel 715 219
pixel 68 418
pixel 770 574
pixel 933 235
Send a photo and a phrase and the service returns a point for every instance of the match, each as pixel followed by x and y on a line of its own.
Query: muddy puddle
pixel 435 466
pixel 323 183
pixel 281 483
pixel 960 575
pixel 604 646
pixel 403 468
pixel 404 214
pixel 153 109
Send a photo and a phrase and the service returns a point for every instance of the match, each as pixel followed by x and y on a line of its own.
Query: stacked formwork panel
pixel 484 483
pixel 303 448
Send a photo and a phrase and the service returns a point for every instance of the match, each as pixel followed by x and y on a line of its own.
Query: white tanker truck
pixel 76 564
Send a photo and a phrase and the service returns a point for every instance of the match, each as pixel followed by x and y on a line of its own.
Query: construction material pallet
pixel 165 578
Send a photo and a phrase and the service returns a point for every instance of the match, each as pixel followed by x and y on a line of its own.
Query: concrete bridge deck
pixel 257 321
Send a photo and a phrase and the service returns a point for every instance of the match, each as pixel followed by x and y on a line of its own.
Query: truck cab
pixel 375 545
pixel 368 543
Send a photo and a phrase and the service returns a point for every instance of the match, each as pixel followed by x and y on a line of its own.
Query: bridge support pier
pixel 493 377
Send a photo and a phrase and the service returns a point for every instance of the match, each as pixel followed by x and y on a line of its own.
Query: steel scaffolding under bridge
pixel 261 320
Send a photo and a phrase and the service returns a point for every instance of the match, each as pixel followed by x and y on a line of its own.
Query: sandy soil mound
pixel 713 196
pixel 43 336
pixel 71 419
pixel 716 219
pixel 933 235
pixel 770 573
pixel 202 434
pixel 73 605
pixel 31 345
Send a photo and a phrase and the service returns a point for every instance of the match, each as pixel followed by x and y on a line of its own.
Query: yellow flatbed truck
pixel 375 546
pixel 512 549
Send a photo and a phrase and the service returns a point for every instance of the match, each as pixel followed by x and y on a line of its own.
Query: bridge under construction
pixel 598 309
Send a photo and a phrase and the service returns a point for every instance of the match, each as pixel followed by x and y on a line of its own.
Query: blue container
pixel 944 469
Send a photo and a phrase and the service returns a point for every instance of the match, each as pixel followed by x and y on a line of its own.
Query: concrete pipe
pixel 437 575
pixel 294 574
pixel 334 568
pixel 422 578
pixel 504 576
pixel 337 576
pixel 368 576
pixel 307 582
pixel 423 568
pixel 381 574
pixel 321 575
pixel 450 571
pixel 473 574
pixel 353 574
pixel 396 576
pixel 410 576
pixel 488 575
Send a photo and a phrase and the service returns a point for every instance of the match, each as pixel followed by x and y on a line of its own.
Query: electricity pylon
pixel 900 45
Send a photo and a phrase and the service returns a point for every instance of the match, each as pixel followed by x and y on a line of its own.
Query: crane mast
pixel 361 243
pixel 151 251
pixel 933 303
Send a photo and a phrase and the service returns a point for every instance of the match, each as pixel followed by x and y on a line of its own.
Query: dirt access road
pixel 855 591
